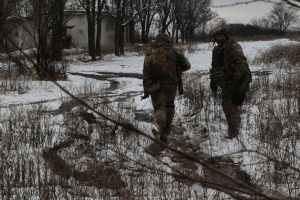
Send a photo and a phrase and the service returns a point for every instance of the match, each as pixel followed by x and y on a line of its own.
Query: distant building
pixel 76 32
pixel 77 28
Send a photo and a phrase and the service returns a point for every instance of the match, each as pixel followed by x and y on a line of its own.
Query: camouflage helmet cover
pixel 219 29
pixel 162 37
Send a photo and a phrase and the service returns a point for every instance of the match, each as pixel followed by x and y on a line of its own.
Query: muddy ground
pixel 107 176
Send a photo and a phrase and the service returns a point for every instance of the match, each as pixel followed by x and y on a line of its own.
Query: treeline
pixel 279 21
pixel 242 30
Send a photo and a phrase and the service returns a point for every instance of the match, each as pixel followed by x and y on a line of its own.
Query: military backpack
pixel 246 78
pixel 157 65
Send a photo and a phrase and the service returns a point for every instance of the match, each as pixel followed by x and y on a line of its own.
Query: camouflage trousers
pixel 163 103
pixel 233 117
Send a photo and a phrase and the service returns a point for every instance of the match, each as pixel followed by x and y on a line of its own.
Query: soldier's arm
pixel 183 62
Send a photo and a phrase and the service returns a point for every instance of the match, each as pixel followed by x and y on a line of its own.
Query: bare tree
pixel 94 11
pixel 145 17
pixel 264 23
pixel 100 14
pixel 168 10
pixel 131 23
pixel 193 14
pixel 293 3
pixel 123 13
pixel 281 18
pixel 90 8
pixel 58 7
pixel 46 30
pixel 118 8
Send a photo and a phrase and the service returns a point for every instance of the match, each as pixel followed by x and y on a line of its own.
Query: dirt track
pixel 176 140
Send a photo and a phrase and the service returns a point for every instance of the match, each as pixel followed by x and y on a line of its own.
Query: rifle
pixel 179 74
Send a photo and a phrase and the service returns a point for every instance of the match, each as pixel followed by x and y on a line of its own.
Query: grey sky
pixel 242 13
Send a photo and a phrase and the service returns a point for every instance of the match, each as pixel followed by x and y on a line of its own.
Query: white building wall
pixel 21 34
pixel 79 32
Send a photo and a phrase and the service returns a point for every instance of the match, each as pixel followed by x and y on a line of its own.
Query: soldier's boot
pixel 163 132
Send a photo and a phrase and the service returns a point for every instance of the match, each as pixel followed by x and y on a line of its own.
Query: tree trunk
pixel 182 36
pixel 118 28
pixel 131 32
pixel 177 36
pixel 98 38
pixel 58 30
pixel 90 12
pixel 121 40
pixel 143 32
pixel 117 36
pixel 122 29
pixel 101 4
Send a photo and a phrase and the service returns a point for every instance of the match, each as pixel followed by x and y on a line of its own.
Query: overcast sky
pixel 242 13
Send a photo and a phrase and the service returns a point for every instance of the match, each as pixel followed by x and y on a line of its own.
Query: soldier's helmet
pixel 163 37
pixel 219 29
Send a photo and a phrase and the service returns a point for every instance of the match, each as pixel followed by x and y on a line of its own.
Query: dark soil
pixel 108 177
pixel 100 177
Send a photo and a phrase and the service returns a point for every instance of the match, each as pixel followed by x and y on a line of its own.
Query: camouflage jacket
pixel 176 60
pixel 231 60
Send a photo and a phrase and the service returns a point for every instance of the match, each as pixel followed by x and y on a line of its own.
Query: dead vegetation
pixel 74 153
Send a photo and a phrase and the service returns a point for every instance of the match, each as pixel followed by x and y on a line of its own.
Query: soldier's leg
pixel 159 106
pixel 158 103
pixel 233 118
pixel 170 93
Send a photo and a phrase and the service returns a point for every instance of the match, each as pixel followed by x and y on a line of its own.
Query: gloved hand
pixel 213 86
pixel 145 96
pixel 238 97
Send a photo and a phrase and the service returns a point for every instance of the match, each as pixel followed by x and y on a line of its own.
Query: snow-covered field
pixel 23 143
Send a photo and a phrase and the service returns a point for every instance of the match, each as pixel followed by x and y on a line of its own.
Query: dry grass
pixel 281 53
pixel 73 154
pixel 270 120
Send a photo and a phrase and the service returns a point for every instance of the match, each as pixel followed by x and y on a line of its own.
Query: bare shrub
pixel 84 147
pixel 15 77
pixel 190 47
pixel 270 118
pixel 289 53
pixel 138 48
pixel 276 97
pixel 107 50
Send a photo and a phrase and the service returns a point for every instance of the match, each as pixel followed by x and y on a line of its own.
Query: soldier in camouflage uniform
pixel 228 65
pixel 163 89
